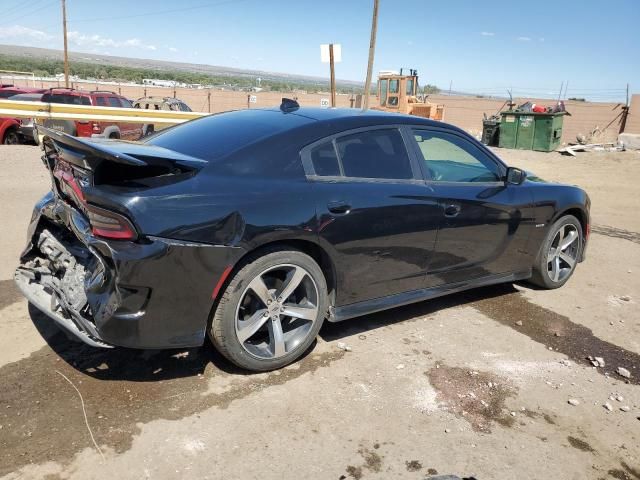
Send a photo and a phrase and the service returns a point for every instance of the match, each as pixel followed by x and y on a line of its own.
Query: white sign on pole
pixel 253 99
pixel 324 102
pixel 324 53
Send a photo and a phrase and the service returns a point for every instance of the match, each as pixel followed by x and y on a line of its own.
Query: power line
pixel 31 12
pixel 18 7
pixel 160 12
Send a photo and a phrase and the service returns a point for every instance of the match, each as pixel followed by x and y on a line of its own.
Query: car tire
pixel 553 267
pixel 11 137
pixel 240 310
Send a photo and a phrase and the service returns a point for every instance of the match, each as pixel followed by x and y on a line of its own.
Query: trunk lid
pixel 99 177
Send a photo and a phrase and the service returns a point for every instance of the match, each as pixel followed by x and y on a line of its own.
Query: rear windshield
pixel 27 97
pixel 217 135
pixel 66 98
pixel 7 93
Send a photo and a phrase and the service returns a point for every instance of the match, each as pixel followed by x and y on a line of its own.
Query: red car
pixel 87 128
pixel 10 128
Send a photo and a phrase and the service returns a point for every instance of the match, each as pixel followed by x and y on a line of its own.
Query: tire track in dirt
pixel 41 416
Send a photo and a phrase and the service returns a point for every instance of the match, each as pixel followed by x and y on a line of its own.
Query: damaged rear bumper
pixel 151 294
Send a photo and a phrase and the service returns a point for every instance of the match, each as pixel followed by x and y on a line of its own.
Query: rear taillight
pixel 108 224
pixel 95 126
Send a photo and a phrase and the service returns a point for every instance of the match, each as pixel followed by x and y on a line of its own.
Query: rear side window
pixel 325 161
pixel 378 153
pixel 101 101
pixel 66 98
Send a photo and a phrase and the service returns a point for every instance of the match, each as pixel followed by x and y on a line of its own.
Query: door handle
pixel 339 208
pixel 452 210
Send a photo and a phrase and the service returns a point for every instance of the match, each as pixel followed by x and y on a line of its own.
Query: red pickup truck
pixel 88 128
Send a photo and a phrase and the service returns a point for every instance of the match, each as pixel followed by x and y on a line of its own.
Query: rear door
pixel 485 223
pixel 374 211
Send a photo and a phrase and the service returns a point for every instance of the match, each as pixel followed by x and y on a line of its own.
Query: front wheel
pixel 559 253
pixel 11 138
pixel 271 311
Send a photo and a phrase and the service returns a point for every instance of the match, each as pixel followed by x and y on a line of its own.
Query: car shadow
pixel 133 365
pixel 355 326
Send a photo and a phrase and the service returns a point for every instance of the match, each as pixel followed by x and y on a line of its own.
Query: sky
pixel 481 47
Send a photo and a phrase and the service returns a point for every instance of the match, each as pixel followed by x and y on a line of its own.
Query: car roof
pixel 23 89
pixel 356 117
pixel 159 100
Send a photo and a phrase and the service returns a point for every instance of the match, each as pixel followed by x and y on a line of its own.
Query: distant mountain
pixel 161 65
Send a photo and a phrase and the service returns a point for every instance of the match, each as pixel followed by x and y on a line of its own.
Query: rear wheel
pixel 559 253
pixel 271 311
pixel 11 137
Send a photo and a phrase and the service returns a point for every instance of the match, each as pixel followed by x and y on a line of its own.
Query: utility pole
pixel 372 50
pixel 66 54
pixel 450 85
pixel 333 76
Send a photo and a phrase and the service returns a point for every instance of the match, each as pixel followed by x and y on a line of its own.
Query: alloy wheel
pixel 276 311
pixel 563 253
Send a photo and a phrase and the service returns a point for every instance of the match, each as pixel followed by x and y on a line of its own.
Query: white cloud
pixel 541 39
pixel 524 39
pixel 487 34
pixel 173 49
pixel 23 33
pixel 83 40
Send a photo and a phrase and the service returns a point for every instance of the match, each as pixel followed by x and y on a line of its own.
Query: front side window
pixel 101 101
pixel 126 103
pixel 450 158
pixel 410 86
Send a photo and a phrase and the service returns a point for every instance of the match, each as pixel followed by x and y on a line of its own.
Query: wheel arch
pixel 578 212
pixel 6 128
pixel 314 250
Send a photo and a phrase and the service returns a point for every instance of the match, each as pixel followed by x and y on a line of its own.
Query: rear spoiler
pixel 89 153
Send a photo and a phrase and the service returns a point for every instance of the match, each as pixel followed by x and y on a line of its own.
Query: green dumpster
pixel 530 130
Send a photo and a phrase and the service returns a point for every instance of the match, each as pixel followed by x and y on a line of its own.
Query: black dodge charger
pixel 253 227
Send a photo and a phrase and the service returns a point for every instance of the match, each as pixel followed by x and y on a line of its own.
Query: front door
pixel 485 222
pixel 373 211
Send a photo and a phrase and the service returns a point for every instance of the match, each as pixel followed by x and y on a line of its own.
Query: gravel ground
pixel 493 383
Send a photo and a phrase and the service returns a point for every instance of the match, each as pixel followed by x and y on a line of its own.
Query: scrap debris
pixel 591 147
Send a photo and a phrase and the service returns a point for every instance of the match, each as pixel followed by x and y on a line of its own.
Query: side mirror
pixel 515 176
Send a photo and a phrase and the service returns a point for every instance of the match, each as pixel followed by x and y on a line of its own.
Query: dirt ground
pixel 476 384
